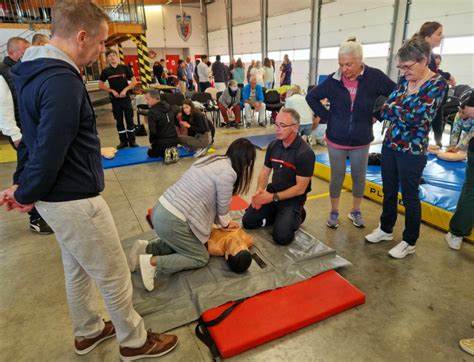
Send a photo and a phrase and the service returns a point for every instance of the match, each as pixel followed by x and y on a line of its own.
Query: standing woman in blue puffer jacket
pixel 351 91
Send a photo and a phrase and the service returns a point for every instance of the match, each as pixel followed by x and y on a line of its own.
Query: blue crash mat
pixel 137 155
pixel 443 179
pixel 261 141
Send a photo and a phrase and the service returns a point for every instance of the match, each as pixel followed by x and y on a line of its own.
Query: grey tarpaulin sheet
pixel 181 298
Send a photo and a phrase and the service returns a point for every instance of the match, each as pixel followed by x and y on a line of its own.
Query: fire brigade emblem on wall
pixel 184 26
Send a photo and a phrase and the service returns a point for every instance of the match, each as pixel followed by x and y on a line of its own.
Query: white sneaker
pixel 378 235
pixel 200 152
pixel 453 241
pixel 311 141
pixel 138 248
pixel 147 271
pixel 401 250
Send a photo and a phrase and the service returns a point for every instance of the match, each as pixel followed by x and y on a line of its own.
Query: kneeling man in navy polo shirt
pixel 280 203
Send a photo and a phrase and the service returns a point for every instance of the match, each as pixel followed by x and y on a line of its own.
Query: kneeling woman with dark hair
pixel 185 213
pixel 199 135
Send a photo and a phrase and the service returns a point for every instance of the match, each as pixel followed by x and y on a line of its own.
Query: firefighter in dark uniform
pixel 118 76
pixel 281 202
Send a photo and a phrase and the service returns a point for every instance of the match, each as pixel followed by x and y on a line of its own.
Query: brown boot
pixel 85 345
pixel 156 345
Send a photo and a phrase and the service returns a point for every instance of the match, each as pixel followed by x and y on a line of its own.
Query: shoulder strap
pixel 203 333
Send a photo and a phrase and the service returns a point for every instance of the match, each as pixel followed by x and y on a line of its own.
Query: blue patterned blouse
pixel 410 116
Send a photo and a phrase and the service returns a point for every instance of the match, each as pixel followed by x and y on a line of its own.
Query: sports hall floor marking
pixel 321 195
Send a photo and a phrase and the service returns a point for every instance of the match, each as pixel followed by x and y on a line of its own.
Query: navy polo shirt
pixel 118 77
pixel 288 162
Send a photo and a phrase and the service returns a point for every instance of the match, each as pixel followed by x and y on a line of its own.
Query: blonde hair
pixel 295 89
pixel 353 47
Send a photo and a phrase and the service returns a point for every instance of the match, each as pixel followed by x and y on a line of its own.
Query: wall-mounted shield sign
pixel 184 26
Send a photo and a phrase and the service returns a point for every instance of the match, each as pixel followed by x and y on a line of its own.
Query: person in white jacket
pixel 9 119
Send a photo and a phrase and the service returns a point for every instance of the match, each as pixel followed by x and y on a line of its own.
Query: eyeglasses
pixel 282 125
pixel 404 68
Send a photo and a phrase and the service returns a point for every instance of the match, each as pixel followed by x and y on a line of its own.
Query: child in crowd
pixel 463 125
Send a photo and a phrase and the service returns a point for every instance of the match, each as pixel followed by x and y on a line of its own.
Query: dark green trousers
pixel 463 219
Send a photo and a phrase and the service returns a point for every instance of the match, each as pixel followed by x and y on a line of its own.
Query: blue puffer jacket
pixel 346 127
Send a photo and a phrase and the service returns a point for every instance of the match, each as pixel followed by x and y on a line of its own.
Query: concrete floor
pixel 417 309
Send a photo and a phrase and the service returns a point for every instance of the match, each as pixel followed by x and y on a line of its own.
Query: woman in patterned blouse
pixel 410 110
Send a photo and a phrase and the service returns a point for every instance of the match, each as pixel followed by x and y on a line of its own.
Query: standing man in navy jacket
pixel 63 176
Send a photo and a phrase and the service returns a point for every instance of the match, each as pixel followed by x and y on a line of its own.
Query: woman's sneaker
pixel 333 221
pixel 356 218
pixel 454 241
pixel 401 250
pixel 378 235
pixel 201 152
pixel 147 272
pixel 156 345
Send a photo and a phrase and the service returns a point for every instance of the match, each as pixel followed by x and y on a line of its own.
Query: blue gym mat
pixel 261 141
pixel 443 179
pixel 137 155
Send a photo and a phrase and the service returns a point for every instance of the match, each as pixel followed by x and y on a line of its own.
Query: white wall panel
pixel 245 11
pixel 290 31
pixel 218 42
pixel 216 18
pixel 370 22
pixel 461 67
pixel 278 7
pixel 247 38
pixel 457 16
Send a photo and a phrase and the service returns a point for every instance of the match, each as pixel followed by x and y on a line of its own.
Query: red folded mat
pixel 236 327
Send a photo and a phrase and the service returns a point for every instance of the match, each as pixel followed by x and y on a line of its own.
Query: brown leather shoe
pixel 85 345
pixel 156 345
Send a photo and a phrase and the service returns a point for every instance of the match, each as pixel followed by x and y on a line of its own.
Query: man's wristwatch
pixel 276 198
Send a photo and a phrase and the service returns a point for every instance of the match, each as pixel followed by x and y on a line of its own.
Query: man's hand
pixel 115 93
pixel 123 93
pixel 257 106
pixel 7 199
pixel 17 143
pixel 453 149
pixel 261 197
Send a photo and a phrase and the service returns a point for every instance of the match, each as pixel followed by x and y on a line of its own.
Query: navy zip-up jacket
pixel 59 132
pixel 346 127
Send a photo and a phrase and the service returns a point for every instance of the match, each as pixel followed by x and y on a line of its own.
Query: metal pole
pixel 314 49
pixel 401 14
pixel 204 14
pixel 264 27
pixel 230 38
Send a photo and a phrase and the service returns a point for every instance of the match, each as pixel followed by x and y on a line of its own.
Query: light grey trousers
pixel 337 159
pixel 200 141
pixel 91 252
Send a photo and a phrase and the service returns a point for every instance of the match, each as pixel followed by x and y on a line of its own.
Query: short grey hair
pixel 352 47
pixel 294 114
pixel 415 49
pixel 154 93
